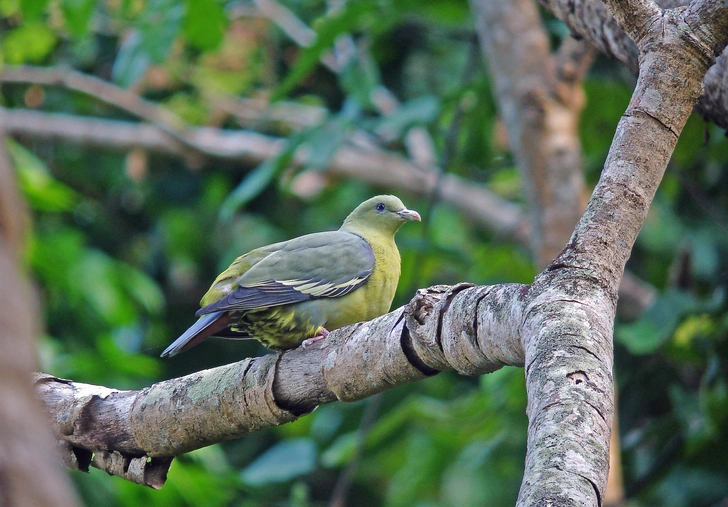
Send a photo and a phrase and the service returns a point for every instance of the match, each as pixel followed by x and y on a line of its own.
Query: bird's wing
pixel 324 264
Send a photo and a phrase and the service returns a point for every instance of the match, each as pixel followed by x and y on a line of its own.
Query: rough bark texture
pixel 540 101
pixel 26 445
pixel 465 328
pixel 568 356
pixel 592 20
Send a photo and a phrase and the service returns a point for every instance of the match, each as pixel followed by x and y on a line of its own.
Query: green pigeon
pixel 298 290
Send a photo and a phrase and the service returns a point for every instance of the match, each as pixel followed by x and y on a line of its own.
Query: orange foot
pixel 323 334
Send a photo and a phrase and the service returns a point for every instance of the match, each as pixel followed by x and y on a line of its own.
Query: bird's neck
pixel 370 234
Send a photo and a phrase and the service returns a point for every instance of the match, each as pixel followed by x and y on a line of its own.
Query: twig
pixel 110 94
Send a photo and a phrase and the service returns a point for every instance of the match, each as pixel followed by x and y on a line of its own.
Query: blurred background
pixel 154 141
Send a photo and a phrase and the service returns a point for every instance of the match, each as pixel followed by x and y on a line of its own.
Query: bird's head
pixel 384 213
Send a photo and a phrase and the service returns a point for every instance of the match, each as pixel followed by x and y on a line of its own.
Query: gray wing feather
pixel 325 264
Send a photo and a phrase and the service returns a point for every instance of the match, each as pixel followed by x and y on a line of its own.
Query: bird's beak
pixel 410 214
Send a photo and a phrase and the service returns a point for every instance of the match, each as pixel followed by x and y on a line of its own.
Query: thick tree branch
pixel 634 16
pixel 592 20
pixel 472 330
pixel 568 343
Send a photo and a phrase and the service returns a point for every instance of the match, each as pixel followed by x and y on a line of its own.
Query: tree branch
pixel 634 16
pixel 568 339
pixel 592 20
pixel 472 330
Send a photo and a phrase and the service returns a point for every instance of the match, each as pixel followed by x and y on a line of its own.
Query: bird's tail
pixel 206 326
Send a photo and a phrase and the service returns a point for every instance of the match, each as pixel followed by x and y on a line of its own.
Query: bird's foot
pixel 323 334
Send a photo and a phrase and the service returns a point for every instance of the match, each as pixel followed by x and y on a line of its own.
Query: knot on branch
pixel 462 327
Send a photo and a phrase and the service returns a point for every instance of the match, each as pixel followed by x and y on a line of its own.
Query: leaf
pixel 33 9
pixel 131 62
pixel 77 14
pixel 260 177
pixel 360 77
pixel 419 111
pixel 143 289
pixel 324 141
pixel 42 191
pixel 328 30
pixel 159 25
pixel 29 43
pixel 284 461
pixel 657 324
pixel 204 24
pixel 341 450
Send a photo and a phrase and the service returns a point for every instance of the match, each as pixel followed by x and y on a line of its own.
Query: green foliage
pixel 77 14
pixel 121 253
pixel 41 190
pixel 31 42
pixel 149 41
pixel 204 24
pixel 282 462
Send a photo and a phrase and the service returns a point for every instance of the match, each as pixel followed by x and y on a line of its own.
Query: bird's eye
pixel 380 206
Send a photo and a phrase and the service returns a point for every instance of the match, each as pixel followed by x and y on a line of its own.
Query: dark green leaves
pixel 78 14
pixel 330 27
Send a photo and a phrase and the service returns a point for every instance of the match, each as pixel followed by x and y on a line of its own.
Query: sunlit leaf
pixel 204 23
pixel 29 43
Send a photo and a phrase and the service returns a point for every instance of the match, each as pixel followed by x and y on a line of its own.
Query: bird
pixel 294 292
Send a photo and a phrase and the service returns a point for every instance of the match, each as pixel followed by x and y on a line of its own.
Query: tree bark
pixel 29 475
pixel 591 20
pixel 569 353
pixel 472 330
pixel 540 104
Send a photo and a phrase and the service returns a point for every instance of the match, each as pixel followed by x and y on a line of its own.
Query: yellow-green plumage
pixel 288 292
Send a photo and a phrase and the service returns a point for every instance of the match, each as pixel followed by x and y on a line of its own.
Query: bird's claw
pixel 323 334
